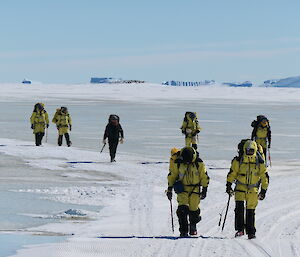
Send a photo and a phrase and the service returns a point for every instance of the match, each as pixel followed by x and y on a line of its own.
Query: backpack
pixel 192 115
pixel 241 146
pixel 259 118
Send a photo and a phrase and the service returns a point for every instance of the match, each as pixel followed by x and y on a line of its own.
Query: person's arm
pixel 106 132
pixel 32 119
pixel 269 137
pixel 121 132
pixel 264 182
pixel 46 119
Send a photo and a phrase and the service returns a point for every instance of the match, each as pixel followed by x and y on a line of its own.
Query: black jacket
pixel 113 132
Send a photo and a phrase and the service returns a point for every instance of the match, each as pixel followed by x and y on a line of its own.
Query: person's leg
pixel 182 213
pixel 113 144
pixel 67 136
pixel 41 137
pixel 250 223
pixel 59 140
pixel 239 217
pixel 194 142
pixel 194 212
pixel 252 201
pixel 36 136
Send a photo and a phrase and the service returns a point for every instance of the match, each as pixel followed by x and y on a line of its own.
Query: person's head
pixel 192 115
pixel 188 154
pixel 250 149
pixel 113 119
pixel 39 107
pixel 264 123
pixel 64 109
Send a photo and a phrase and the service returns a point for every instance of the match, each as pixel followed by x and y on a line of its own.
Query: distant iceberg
pixel 287 82
pixel 189 83
pixel 238 84
pixel 26 81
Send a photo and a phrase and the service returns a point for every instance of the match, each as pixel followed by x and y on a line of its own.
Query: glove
pixel 47 125
pixel 203 193
pixel 228 188
pixel 57 127
pixel 70 126
pixel 195 133
pixel 169 193
pixel 104 141
pixel 262 194
pixel 121 140
pixel 32 126
pixel 269 145
pixel 188 131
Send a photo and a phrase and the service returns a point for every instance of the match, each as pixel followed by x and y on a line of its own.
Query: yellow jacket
pixel 191 124
pixel 62 119
pixel 247 173
pixel 39 119
pixel 191 174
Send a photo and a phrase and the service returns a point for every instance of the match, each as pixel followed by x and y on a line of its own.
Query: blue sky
pixel 62 41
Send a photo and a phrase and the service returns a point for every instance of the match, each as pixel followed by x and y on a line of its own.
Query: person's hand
pixel 188 131
pixel 104 141
pixel 262 194
pixel 32 126
pixel 122 140
pixel 169 193
pixel 203 193
pixel 269 145
pixel 229 189
pixel 47 125
pixel 70 126
pixel 57 127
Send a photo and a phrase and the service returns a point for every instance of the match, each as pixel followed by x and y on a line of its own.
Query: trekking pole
pixel 221 214
pixel 102 147
pixel 269 157
pixel 226 211
pixel 172 216
pixel 46 135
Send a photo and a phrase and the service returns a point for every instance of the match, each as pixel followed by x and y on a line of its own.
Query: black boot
pixel 182 213
pixel 250 223
pixel 194 218
pixel 59 141
pixel 69 143
pixel 239 217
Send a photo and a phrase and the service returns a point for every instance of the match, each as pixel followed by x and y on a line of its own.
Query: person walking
pixel 261 133
pixel 114 133
pixel 187 174
pixel 190 128
pixel 63 122
pixel 39 122
pixel 249 173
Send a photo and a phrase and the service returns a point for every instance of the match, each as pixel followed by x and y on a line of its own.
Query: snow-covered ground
pixel 124 211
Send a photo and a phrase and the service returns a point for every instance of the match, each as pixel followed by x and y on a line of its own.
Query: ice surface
pixel 126 198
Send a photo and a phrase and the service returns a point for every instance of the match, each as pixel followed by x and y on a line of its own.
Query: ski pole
pixel 226 211
pixel 46 135
pixel 269 157
pixel 172 216
pixel 103 147
pixel 221 214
